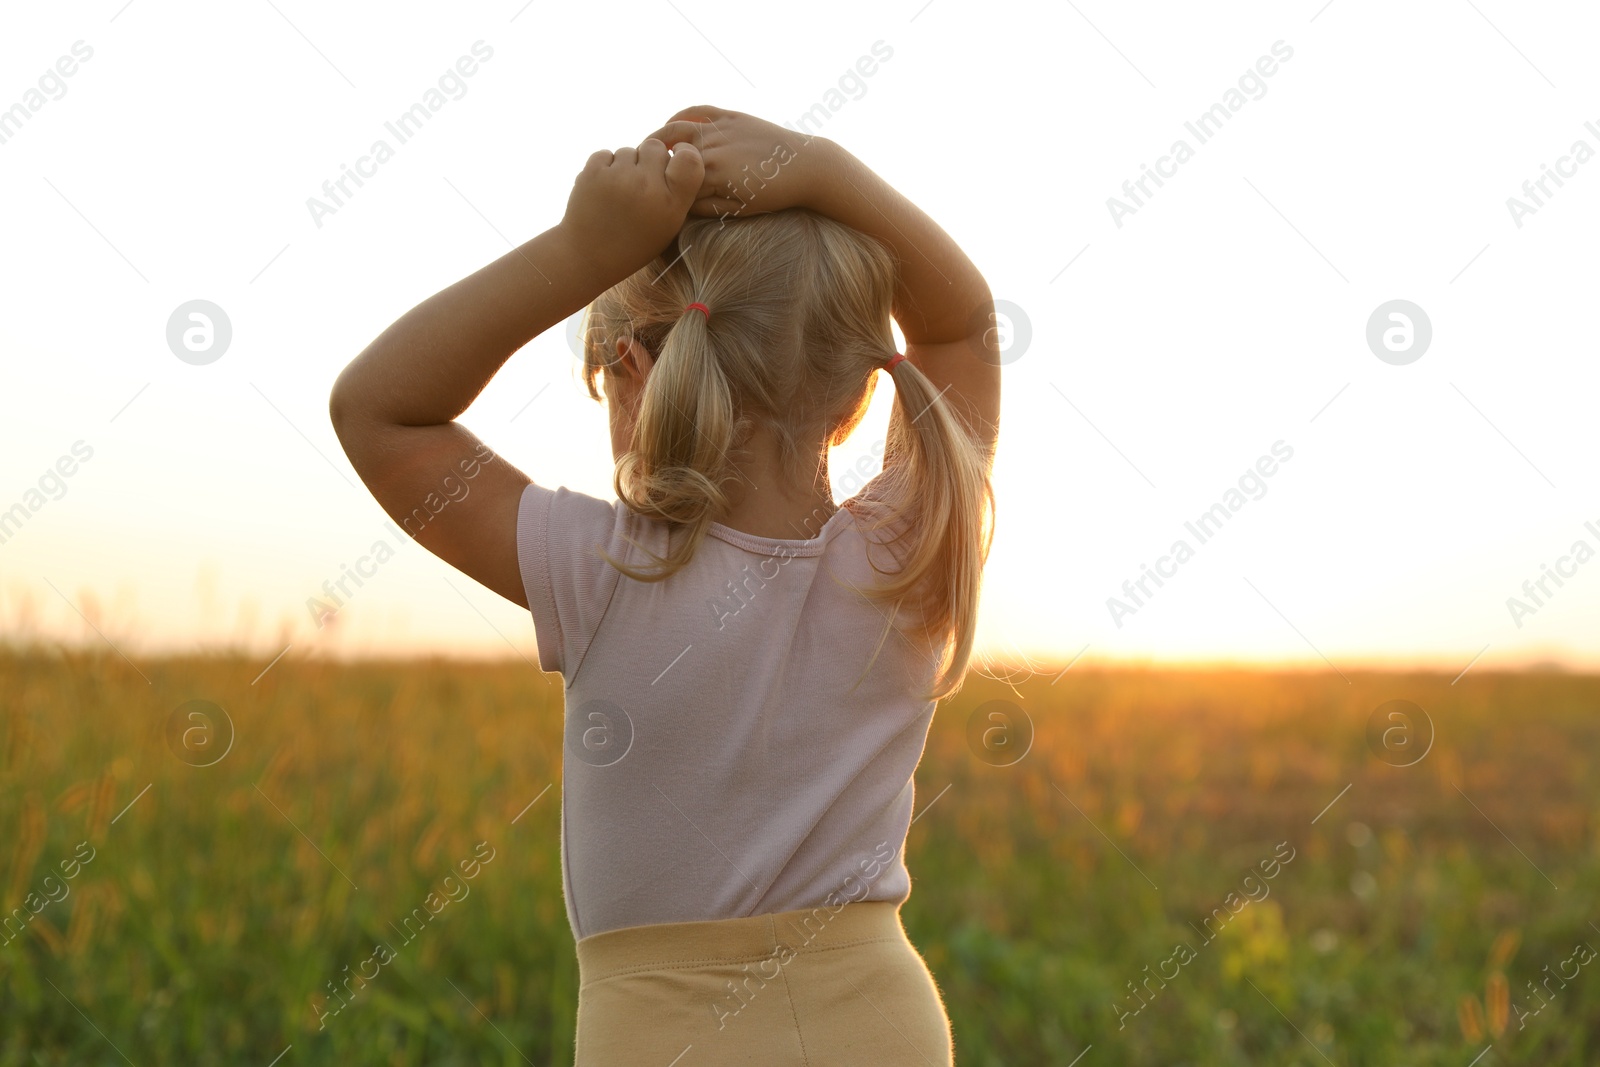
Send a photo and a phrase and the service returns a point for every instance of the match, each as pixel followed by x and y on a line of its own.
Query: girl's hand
pixel 751 166
pixel 627 206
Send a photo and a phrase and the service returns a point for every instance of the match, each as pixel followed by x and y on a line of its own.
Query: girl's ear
pixel 633 359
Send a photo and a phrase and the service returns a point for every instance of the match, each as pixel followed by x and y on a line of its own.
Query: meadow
pixel 1345 890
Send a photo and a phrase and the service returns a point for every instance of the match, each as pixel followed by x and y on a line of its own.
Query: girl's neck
pixel 766 501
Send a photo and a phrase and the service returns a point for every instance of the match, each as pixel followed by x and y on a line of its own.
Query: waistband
pixel 664 946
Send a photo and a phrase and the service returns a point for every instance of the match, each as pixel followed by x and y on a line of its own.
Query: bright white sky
pixel 1166 355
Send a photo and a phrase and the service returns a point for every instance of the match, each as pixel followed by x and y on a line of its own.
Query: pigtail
pixel 679 462
pixel 938 496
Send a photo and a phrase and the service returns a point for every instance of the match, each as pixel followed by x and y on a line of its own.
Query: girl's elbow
pixel 341 400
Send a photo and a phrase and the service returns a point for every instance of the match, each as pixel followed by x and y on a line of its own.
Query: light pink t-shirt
pixel 717 763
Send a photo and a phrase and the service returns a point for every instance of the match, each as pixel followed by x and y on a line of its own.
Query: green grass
pixel 207 927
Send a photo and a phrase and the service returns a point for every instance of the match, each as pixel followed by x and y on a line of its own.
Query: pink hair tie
pixel 703 310
pixel 889 366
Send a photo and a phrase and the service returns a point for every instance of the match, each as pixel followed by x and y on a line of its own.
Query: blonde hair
pixel 799 327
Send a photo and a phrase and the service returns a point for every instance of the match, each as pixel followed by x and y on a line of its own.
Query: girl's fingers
pixel 652 154
pixel 678 131
pixel 685 170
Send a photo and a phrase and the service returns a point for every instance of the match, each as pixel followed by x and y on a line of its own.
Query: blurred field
pixel 1413 923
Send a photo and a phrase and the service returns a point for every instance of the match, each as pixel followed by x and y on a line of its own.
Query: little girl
pixel 750 669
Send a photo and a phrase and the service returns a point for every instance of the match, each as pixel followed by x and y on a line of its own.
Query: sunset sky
pixel 1158 346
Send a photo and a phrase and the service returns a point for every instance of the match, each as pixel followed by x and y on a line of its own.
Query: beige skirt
pixel 811 988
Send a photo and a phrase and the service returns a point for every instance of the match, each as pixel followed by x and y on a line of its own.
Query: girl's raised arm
pixel 394 407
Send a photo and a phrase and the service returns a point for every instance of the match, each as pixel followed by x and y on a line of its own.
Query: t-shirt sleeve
pixel 559 537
